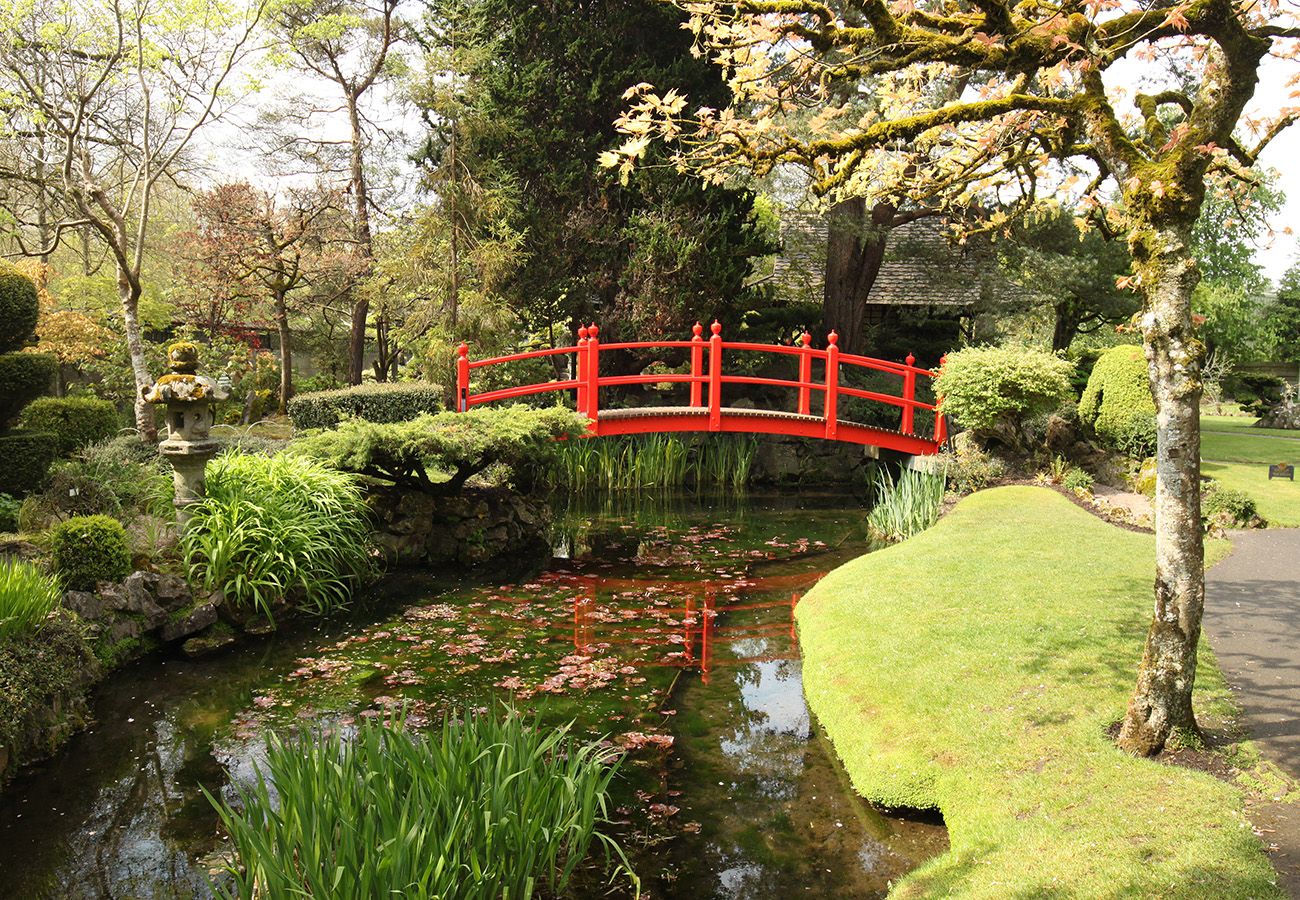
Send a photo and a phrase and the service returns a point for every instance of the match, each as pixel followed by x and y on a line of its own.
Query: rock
pixel 215 638
pixel 1144 482
pixel 190 621
pixel 468 528
pixel 16 548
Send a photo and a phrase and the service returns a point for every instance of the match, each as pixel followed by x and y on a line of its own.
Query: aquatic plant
pixel 490 807
pixel 27 595
pixel 654 462
pixel 905 506
pixel 279 527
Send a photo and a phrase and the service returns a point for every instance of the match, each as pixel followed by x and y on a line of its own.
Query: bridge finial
pixel 716 327
pixel 911 360
pixel 833 338
pixel 696 330
pixel 463 350
pixel 582 332
pixel 805 338
pixel 593 330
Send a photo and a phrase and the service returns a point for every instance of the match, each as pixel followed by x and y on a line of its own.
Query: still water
pixel 665 627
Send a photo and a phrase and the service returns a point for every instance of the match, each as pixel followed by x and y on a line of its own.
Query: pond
pixel 664 626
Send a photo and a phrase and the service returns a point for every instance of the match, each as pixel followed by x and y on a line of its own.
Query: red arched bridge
pixel 707 410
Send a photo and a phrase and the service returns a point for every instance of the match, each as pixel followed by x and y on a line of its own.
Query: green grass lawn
pixel 1238 455
pixel 976 668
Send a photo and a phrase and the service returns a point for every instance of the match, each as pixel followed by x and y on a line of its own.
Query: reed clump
pixel 654 462
pixel 904 506
pixel 489 807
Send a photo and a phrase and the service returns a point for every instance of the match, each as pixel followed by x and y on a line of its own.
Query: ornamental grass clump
pixel 490 807
pixel 27 596
pixel 904 507
pixel 279 528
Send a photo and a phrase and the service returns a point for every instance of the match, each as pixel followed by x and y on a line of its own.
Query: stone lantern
pixel 188 398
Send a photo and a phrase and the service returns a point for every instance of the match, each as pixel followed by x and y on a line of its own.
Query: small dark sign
pixel 1281 470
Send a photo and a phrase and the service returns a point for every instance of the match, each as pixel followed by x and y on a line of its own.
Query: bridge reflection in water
pixel 685 635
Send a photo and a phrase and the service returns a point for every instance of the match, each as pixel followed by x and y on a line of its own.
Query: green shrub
pixel 1230 506
pixel 19 308
pixel 87 549
pixel 9 509
pixel 119 477
pixel 993 389
pixel 276 528
pixel 392 402
pixel 1117 403
pixel 27 456
pixel 27 596
pixel 972 470
pixel 74 421
pixel 904 507
pixel 487 808
pixel 1077 480
pixel 23 378
pixel 459 445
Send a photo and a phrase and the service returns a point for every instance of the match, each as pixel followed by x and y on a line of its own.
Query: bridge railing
pixel 706 357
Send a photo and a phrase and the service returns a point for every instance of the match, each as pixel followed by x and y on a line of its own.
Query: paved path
pixel 1252 618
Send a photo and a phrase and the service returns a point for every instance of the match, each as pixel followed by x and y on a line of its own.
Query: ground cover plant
pixel 1001 649
pixel 281 528
pixel 489 806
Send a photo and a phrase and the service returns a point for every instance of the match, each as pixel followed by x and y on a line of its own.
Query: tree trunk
pixel 128 292
pixel 361 233
pixel 855 250
pixel 1162 700
pixel 1064 327
pixel 286 352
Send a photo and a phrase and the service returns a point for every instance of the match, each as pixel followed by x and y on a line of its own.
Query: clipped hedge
pixel 23 378
pixel 1117 402
pixel 27 457
pixel 75 422
pixel 392 402
pixel 991 388
pixel 87 549
pixel 19 307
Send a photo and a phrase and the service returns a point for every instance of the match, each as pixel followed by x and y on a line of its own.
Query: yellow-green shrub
pixel 87 549
pixel 1117 402
pixel 988 388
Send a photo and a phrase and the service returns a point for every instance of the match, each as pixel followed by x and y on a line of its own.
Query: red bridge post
pixel 940 426
pixel 462 377
pixel 909 394
pixel 697 365
pixel 805 374
pixel 715 377
pixel 593 372
pixel 580 369
pixel 832 383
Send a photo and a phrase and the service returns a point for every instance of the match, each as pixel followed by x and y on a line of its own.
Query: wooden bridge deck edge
pixel 736 420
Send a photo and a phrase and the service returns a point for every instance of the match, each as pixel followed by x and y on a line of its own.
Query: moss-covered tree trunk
pixel 128 290
pixel 1162 700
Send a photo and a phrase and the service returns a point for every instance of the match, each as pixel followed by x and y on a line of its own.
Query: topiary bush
pixel 1117 402
pixel 393 402
pixel 997 390
pixel 74 421
pixel 27 457
pixel 87 549
pixel 23 378
pixel 19 307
